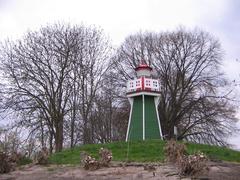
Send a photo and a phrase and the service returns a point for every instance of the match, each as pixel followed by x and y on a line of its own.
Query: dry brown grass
pixel 90 163
pixel 42 156
pixel 173 151
pixel 6 165
pixel 192 164
pixel 105 157
pixel 187 164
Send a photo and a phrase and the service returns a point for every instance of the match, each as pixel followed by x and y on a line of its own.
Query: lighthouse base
pixel 144 121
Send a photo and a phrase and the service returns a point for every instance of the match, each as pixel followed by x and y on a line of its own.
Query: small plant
pixel 174 151
pixel 5 165
pixel 187 164
pixel 192 164
pixel 15 157
pixel 42 156
pixel 24 160
pixel 105 157
pixel 8 162
pixel 90 163
pixel 19 158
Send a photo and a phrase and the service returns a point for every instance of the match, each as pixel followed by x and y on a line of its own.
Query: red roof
pixel 143 66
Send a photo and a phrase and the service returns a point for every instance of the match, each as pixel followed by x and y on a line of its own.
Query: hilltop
pixel 142 151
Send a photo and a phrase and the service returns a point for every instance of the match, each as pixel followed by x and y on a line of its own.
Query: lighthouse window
pixel 137 83
pixel 131 84
pixel 155 84
pixel 148 83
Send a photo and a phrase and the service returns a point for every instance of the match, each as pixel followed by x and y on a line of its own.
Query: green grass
pixel 24 161
pixel 141 151
pixel 215 152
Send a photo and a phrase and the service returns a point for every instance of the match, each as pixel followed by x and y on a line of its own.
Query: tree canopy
pixel 188 66
pixel 52 76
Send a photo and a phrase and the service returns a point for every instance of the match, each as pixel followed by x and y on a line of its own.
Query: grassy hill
pixel 141 151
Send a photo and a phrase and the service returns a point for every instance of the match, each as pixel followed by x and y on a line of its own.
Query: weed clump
pixel 5 165
pixel 105 157
pixel 90 163
pixel 187 164
pixel 42 156
pixel 174 151
pixel 192 164
pixel 9 161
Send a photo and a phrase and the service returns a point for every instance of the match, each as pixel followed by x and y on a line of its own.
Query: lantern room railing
pixel 143 84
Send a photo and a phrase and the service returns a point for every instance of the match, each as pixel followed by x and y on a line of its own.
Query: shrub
pixel 5 165
pixel 42 156
pixel 187 164
pixel 105 157
pixel 8 162
pixel 90 163
pixel 173 151
pixel 24 160
pixel 192 164
pixel 16 158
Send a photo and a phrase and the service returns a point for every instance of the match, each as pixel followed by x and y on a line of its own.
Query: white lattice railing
pixel 137 85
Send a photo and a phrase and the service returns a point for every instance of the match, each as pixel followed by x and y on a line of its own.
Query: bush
pixel 42 156
pixel 24 160
pixel 5 165
pixel 8 162
pixel 192 164
pixel 90 163
pixel 105 157
pixel 173 151
pixel 17 158
pixel 187 164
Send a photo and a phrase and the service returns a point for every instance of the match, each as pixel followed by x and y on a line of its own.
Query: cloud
pixel 118 17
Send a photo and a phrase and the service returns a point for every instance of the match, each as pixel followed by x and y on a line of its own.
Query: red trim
pixel 156 92
pixel 148 89
pixel 143 66
pixel 142 83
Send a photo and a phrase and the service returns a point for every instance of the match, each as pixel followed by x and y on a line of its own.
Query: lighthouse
pixel 143 94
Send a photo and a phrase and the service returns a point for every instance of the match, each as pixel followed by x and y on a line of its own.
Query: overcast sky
pixel 120 18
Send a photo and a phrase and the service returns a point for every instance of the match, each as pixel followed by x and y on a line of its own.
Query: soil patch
pixel 217 170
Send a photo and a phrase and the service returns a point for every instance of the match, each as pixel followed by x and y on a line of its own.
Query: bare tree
pixel 109 118
pixel 192 94
pixel 10 141
pixel 54 72
pixel 111 110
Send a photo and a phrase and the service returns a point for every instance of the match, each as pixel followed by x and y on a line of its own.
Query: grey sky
pixel 120 18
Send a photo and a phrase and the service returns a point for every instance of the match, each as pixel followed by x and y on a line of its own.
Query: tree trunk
pixel 110 121
pixel 50 142
pixel 59 135
pixel 72 127
pixel 86 134
pixel 42 134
